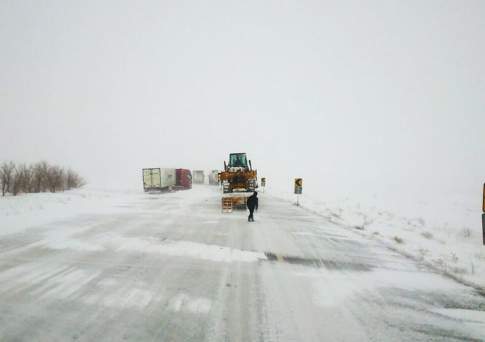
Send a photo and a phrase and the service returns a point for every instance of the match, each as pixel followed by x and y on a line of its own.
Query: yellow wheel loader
pixel 238 181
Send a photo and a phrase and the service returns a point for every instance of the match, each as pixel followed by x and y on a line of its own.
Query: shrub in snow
pixel 459 270
pixel 466 232
pixel 427 235
pixel 454 258
pixel 423 252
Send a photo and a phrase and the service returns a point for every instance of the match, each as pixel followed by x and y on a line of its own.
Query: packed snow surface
pixel 102 265
pixel 443 231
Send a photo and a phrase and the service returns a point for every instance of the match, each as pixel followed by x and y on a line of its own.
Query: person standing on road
pixel 252 204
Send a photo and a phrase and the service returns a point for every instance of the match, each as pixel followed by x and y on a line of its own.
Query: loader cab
pixel 238 160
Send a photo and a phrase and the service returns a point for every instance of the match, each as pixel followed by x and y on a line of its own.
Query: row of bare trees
pixel 38 177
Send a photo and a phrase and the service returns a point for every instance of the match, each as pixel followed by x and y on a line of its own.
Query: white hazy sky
pixel 351 95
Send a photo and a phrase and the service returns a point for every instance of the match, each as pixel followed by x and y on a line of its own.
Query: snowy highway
pixel 172 267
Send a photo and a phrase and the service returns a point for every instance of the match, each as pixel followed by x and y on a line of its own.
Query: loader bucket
pixel 234 200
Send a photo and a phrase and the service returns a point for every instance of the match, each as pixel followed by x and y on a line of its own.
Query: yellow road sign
pixel 298 186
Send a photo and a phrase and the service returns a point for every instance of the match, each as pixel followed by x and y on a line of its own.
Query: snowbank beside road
pixel 26 211
pixel 18 213
pixel 444 232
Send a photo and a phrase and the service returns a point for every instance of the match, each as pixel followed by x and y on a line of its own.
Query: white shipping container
pixel 198 177
pixel 151 179
pixel 167 178
pixel 158 179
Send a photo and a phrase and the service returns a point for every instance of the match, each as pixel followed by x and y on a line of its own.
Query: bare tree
pixel 39 177
pixel 59 179
pixel 29 179
pixel 73 180
pixel 22 179
pixel 6 176
pixel 50 178
pixel 16 181
pixel 55 176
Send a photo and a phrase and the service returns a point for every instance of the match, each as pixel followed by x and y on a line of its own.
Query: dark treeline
pixel 38 177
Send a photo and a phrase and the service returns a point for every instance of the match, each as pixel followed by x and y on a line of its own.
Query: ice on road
pixel 172 267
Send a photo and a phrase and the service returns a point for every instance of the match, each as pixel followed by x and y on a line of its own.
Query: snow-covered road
pixel 172 267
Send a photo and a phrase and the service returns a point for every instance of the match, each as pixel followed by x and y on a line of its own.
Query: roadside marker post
pixel 298 190
pixel 483 228
pixel 483 215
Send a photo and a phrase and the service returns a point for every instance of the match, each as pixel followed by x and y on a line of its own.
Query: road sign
pixel 298 186
pixel 263 182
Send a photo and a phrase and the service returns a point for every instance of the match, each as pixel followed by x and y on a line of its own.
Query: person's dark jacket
pixel 252 202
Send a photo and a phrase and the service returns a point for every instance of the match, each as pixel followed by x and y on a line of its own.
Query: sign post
pixel 298 189
pixel 483 228
pixel 483 215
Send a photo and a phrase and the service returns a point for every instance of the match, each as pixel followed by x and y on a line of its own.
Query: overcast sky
pixel 372 95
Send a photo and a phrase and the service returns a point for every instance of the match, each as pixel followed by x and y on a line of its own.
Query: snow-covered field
pixel 18 213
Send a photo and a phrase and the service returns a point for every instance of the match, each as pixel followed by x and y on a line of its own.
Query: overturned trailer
pixel 183 179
